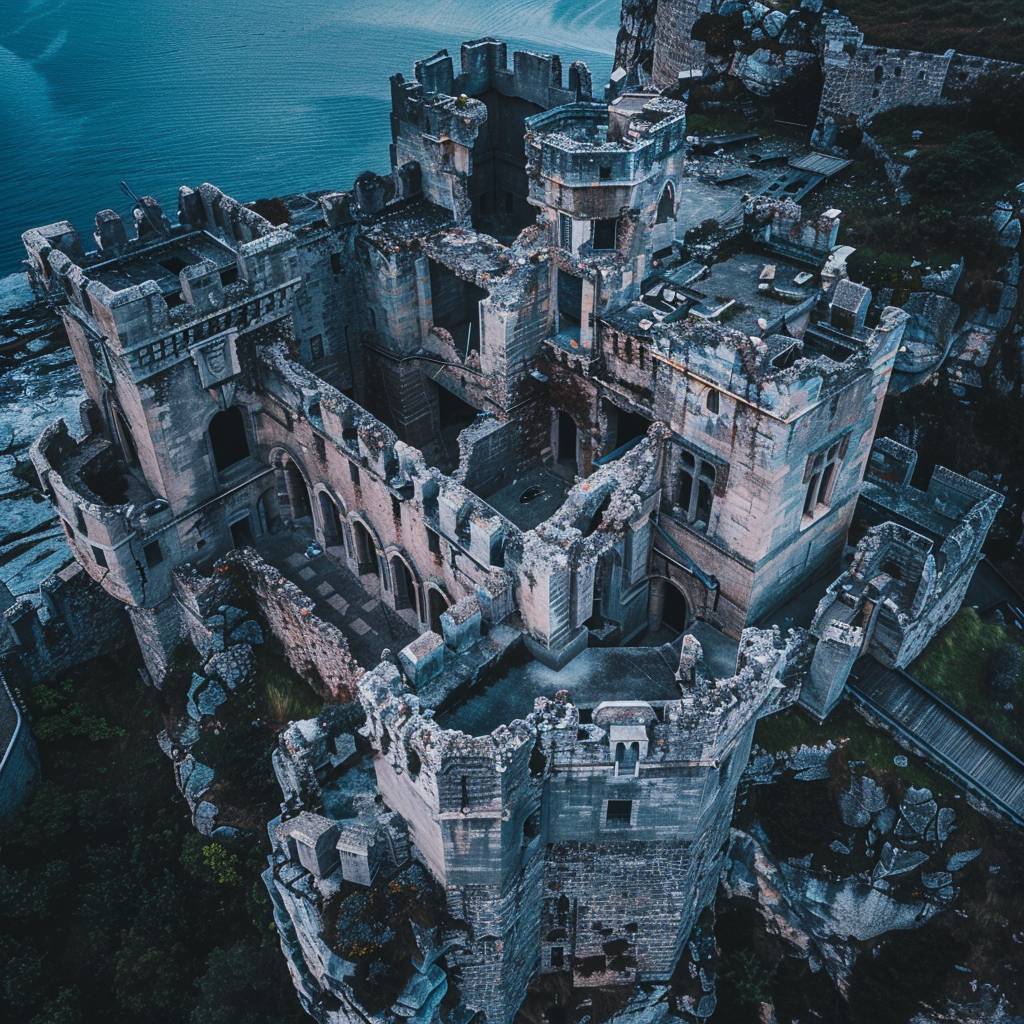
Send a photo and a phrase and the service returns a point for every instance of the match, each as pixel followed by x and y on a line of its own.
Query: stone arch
pixel 405 587
pixel 229 438
pixel 267 513
pixel 334 530
pixel 122 432
pixel 437 604
pixel 293 491
pixel 367 548
pixel 666 205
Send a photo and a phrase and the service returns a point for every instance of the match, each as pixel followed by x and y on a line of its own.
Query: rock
pixel 247 633
pixel 232 616
pixel 917 812
pixel 884 820
pixel 841 848
pixel 861 799
pixel 225 832
pixel 900 760
pixel 894 861
pixel 962 859
pixel 773 23
pixel 165 743
pixel 205 818
pixel 194 779
pixel 944 823
pixel 211 696
pixel 191 707
pixel 234 667
pixel 936 879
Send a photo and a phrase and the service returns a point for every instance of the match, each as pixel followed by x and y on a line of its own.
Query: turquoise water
pixel 260 97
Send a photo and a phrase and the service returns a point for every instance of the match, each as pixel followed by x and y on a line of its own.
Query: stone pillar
pixel 158 631
pixel 837 649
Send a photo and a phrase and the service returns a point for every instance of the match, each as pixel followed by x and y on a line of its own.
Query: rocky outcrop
pixel 634 44
pixel 823 918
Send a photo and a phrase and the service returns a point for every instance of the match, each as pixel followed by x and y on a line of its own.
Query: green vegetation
pixel 992 29
pixel 238 747
pixel 374 927
pixel 111 906
pixel 960 665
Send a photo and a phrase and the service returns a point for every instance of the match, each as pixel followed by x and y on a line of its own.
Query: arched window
pixel 666 205
pixel 696 489
pixel 228 438
pixel 437 605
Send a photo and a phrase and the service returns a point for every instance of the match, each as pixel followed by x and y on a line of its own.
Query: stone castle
pixel 583 468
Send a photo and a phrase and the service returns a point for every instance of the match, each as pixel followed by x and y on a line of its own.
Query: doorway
pixel 675 612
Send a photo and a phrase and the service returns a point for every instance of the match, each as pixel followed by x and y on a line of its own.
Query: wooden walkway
pixel 941 732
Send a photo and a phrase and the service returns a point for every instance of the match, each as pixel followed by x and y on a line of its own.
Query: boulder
pixel 773 23
pixel 962 859
pixel 210 697
pixel 247 633
pixel 861 799
pixel 894 861
pixel 234 667
pixel 917 812
pixel 205 818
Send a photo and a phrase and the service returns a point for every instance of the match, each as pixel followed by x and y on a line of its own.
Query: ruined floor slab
pixel 341 598
pixel 527 515
pixel 595 675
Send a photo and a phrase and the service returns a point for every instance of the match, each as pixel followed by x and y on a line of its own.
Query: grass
pixel 991 29
pixel 958 665
pixel 860 740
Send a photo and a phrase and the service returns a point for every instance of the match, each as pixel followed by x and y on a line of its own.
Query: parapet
pixel 588 143
pixel 107 510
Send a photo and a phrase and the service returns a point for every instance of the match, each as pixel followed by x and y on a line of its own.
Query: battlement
pixel 110 516
pixel 587 143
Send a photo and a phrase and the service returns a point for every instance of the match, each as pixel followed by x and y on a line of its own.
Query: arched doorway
pixel 666 205
pixel 266 508
pixel 297 492
pixel 437 605
pixel 566 442
pixel 675 611
pixel 331 522
pixel 124 437
pixel 406 592
pixel 228 439
pixel 366 549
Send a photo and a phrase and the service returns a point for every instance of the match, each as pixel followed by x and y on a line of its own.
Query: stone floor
pixel 368 624
pixel 526 515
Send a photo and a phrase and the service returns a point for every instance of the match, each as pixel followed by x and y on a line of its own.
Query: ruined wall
pixel 675 49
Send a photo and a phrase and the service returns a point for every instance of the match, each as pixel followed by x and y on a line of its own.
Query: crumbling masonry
pixel 494 390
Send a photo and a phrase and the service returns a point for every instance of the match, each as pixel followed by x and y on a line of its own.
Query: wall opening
pixel 331 519
pixel 567 437
pixel 437 605
pixel 456 307
pixel 366 549
pixel 666 205
pixel 297 492
pixel 406 593
pixel 570 301
pixel 241 533
pixel 228 438
pixel 675 612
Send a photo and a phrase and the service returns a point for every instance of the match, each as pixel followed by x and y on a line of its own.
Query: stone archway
pixel 437 605
pixel 405 590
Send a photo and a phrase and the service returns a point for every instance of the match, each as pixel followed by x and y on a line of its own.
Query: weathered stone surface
pixel 861 799
pixel 957 861
pixel 234 667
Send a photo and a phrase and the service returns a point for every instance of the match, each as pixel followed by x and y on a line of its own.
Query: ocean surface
pixel 260 97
